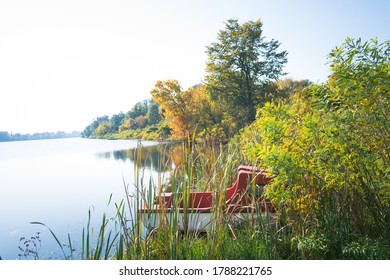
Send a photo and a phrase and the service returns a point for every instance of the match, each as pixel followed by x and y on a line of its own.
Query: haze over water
pixel 56 182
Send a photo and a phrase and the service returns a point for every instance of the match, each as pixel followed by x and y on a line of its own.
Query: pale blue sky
pixel 63 63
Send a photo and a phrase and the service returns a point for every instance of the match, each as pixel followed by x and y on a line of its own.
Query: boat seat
pixel 236 194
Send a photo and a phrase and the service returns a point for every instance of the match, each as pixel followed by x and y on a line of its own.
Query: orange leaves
pixel 184 110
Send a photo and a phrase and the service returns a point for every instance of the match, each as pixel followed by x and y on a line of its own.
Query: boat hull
pixel 194 211
pixel 196 222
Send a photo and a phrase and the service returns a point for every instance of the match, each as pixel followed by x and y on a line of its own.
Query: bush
pixel 329 151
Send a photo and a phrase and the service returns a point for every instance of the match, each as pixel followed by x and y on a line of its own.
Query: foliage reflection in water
pixel 159 158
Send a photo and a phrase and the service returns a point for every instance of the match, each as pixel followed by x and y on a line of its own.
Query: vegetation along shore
pixel 325 146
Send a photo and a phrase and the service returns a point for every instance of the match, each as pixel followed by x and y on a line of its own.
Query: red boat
pixel 243 198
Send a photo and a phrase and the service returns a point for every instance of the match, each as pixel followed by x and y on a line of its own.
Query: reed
pixel 213 168
pixel 66 257
pixel 207 169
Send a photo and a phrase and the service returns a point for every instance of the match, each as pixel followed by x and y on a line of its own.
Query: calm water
pixel 56 182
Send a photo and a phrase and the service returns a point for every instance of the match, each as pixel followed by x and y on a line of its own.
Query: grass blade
pixel 54 236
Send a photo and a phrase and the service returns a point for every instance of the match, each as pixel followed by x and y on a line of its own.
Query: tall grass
pixel 212 168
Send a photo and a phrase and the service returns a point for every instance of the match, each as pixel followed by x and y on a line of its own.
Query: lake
pixel 57 182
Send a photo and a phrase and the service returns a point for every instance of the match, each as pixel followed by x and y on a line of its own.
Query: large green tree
pixel 239 64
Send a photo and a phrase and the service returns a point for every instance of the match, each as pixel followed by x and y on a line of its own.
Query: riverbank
pixel 124 235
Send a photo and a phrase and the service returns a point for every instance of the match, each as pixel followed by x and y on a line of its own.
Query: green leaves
pixel 329 147
pixel 239 63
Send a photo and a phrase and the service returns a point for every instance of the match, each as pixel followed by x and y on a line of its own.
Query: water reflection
pixel 159 158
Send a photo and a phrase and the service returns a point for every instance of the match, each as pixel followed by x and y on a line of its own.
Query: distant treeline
pixel 145 120
pixel 6 136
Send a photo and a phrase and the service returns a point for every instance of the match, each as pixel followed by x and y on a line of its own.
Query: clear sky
pixel 65 62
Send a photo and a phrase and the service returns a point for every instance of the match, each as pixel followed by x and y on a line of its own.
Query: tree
pixel 239 63
pixel 176 104
pixel 116 120
pixel 139 109
pixel 153 114
pixel 282 89
pixel 90 129
pixel 207 116
pixel 103 130
pixel 4 136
